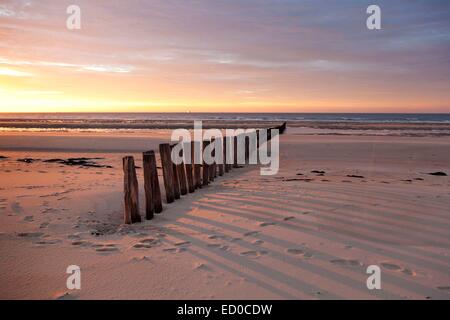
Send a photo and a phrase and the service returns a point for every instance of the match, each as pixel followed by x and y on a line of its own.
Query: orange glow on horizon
pixel 167 63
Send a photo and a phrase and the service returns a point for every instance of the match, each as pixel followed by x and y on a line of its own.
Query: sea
pixel 134 117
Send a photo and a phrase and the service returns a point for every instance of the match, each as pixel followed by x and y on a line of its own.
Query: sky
pixel 224 56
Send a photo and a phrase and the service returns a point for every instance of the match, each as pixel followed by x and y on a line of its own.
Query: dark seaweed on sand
pixel 438 173
pixel 27 160
pixel 83 162
pixel 355 176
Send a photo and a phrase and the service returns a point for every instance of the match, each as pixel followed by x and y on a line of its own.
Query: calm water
pixel 126 117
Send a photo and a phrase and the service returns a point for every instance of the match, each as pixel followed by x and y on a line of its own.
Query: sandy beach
pixel 340 203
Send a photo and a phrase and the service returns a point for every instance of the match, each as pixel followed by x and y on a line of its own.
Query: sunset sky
pixel 224 56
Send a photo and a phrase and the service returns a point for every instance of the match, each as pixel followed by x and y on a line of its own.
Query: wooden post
pixel 226 166
pixel 212 167
pixel 131 191
pixel 182 176
pixel 197 166
pixel 221 165
pixel 166 164
pixel 176 178
pixel 176 182
pixel 205 167
pixel 247 148
pixel 282 128
pixel 215 163
pixel 257 139
pixel 189 172
pixel 235 147
pixel 151 185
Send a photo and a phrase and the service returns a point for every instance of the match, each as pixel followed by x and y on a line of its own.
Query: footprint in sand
pixel 253 253
pixel 105 248
pixel 64 296
pixel 219 246
pixel 394 267
pixel 81 243
pixel 74 236
pixel 345 262
pixel 295 251
pixel 141 259
pixel 44 225
pixel 182 243
pixel 213 245
pixel 216 236
pixel 47 241
pixel 142 246
pixel 30 234
pixel 409 272
pixel 251 233
pixel 147 243
pixel 202 266
pixel 174 250
pixel 391 266
pixel 266 224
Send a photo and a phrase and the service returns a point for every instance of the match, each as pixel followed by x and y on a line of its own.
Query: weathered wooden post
pixel 166 164
pixel 176 182
pixel 182 176
pixel 215 162
pixel 212 167
pixel 189 171
pixel 257 139
pixel 176 178
pixel 247 148
pixel 221 165
pixel 282 128
pixel 151 185
pixel 235 156
pixel 226 166
pixel 131 191
pixel 196 160
pixel 205 166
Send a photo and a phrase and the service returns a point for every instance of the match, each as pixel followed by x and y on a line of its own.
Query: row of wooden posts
pixel 179 179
